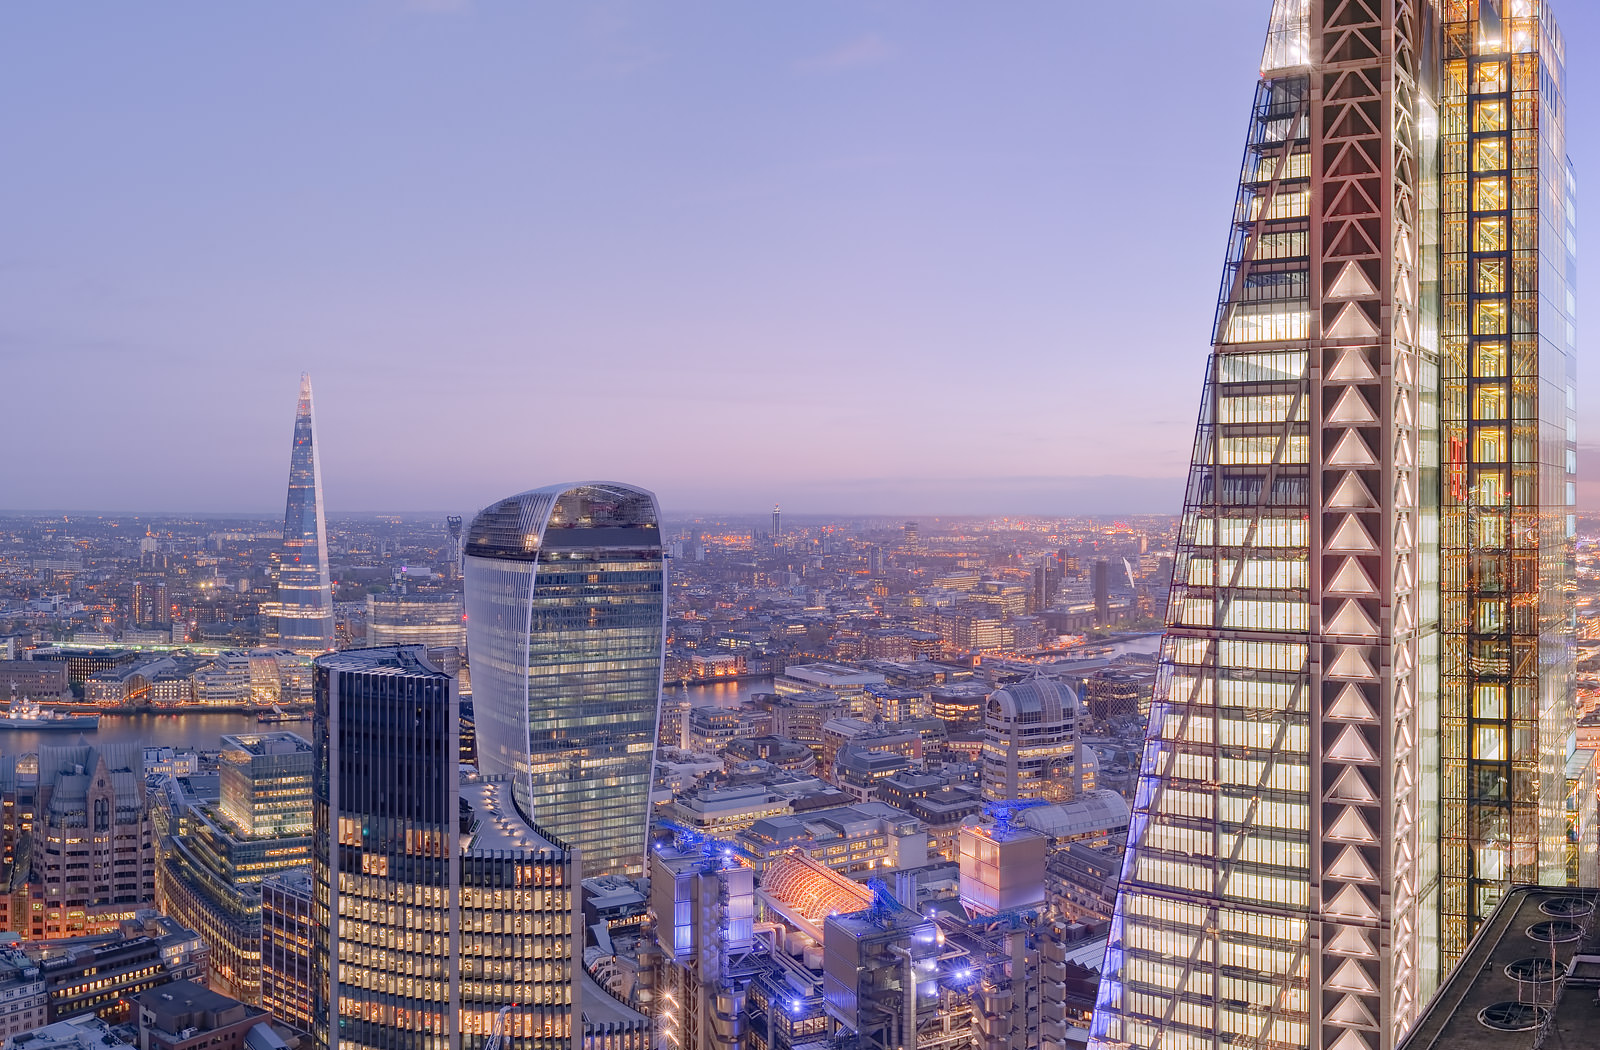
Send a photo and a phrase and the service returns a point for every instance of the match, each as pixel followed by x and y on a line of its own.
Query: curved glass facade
pixel 305 591
pixel 566 608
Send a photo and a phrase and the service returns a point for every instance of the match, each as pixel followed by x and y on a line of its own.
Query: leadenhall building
pixel 1363 731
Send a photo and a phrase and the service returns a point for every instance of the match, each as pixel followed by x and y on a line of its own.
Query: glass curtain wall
pixel 1509 444
pixel 566 591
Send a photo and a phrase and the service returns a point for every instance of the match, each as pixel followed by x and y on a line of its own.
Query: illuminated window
pixel 1489 401
pixel 1489 115
pixel 1489 194
pixel 1488 701
pixel 1489 76
pixel 1489 318
pixel 1489 154
pixel 1489 445
pixel 1491 276
pixel 1491 360
pixel 1488 235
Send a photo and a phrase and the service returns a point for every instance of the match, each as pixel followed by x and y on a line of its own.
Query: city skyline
pixel 863 152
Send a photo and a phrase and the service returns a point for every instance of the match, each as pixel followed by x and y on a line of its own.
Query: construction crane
pixel 497 1031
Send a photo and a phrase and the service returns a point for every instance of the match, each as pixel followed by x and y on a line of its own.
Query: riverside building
pixel 1365 707
pixel 213 864
pixel 304 606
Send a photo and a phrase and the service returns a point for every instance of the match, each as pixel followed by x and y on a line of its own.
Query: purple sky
pixel 865 256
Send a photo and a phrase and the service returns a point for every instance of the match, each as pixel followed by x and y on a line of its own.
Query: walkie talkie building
pixel 566 614
pixel 1363 727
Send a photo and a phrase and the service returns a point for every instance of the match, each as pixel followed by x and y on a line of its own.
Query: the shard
pixel 1363 728
pixel 305 591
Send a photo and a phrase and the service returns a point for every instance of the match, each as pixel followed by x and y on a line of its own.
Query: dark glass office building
pixel 566 593
pixel 435 906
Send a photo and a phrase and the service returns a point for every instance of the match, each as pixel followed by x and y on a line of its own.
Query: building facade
pixel 566 612
pixel 400 618
pixel 217 854
pixel 93 848
pixel 1031 746
pixel 287 934
pixel 1364 705
pixel 305 590
pixel 434 906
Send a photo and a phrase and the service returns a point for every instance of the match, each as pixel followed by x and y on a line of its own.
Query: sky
pixel 861 257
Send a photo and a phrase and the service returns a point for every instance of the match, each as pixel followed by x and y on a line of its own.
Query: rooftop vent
pixel 1512 1017
pixel 1567 907
pixel 1535 971
pixel 1555 932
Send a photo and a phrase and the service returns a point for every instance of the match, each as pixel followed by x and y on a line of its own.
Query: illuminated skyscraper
pixel 435 909
pixel 1364 715
pixel 305 592
pixel 566 609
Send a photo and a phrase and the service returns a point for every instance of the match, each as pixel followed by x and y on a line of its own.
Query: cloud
pixel 868 50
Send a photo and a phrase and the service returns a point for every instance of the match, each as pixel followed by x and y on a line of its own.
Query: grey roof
pixel 69 770
pixel 1096 812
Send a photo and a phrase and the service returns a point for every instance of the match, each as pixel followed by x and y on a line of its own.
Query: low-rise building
pixel 868 837
pixel 727 811
pixel 24 1004
pixel 182 1015
pixel 87 1032
pixel 101 974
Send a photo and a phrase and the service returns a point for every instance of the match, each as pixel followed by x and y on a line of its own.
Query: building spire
pixel 305 591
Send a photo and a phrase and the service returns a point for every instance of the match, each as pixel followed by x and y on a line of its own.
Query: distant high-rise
pixel 566 609
pixel 912 541
pixel 434 906
pixel 305 591
pixel 777 522
pixel 1363 721
pixel 453 525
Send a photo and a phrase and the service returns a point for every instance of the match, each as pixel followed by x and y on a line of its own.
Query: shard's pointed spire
pixel 305 591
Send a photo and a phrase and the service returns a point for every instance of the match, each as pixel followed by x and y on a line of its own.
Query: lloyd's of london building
pixel 1363 731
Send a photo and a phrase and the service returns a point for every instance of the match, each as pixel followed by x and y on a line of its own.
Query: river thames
pixel 202 730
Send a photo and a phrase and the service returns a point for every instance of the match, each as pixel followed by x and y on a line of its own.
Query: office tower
pixel 453 525
pixel 566 607
pixel 704 903
pixel 305 591
pixel 436 909
pixel 1030 743
pixel 287 934
pixel 1100 581
pixel 217 852
pixel 911 540
pixel 1355 741
pixel 397 618
pixel 93 855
